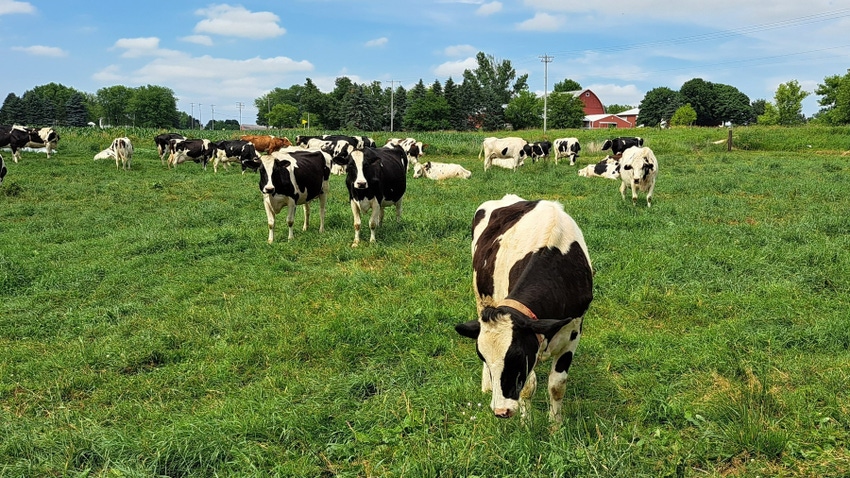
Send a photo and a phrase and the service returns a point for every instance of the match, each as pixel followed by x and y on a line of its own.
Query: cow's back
pixel 521 245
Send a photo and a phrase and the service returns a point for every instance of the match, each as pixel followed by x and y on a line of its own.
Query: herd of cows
pixel 532 274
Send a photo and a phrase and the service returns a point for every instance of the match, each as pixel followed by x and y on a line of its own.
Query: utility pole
pixel 240 105
pixel 212 113
pixel 200 121
pixel 392 104
pixel 192 117
pixel 545 59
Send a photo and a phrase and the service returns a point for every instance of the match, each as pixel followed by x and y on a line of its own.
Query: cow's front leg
pixel 355 211
pixel 486 385
pixel 526 393
pixel 306 216
pixel 375 220
pixel 398 210
pixel 290 217
pixel 323 200
pixel 270 214
pixel 634 194
pixel 623 190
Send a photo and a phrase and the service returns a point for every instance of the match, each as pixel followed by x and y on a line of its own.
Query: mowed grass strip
pixel 147 328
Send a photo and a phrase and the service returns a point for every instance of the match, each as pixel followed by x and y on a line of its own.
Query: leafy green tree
pixel 525 111
pixel 113 102
pixel 700 95
pixel 284 115
pixel 153 107
pixel 429 113
pixel 564 110
pixel 313 102
pixel 12 110
pixel 684 116
pixel 758 107
pixel 499 83
pixel 658 103
pixel 567 85
pixel 789 102
pixel 770 116
pixel 615 108
pixel 731 105
pixel 834 100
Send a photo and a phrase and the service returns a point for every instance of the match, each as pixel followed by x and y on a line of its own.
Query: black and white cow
pixel 121 150
pixel 290 178
pixel 638 170
pixel 17 137
pixel 3 170
pixel 197 150
pixel 618 145
pixel 375 178
pixel 540 150
pixel 608 167
pixel 163 144
pixel 533 282
pixel 567 147
pixel 414 149
pixel 508 152
pixel 228 151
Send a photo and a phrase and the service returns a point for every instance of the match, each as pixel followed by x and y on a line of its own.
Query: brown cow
pixel 266 143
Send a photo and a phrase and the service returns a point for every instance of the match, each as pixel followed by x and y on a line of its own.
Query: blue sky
pixel 216 55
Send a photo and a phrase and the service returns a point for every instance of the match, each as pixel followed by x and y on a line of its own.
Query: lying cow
pixel 533 282
pixel 618 145
pixel 375 178
pixel 231 151
pixel 437 171
pixel 121 150
pixel 608 168
pixel 567 147
pixel 163 144
pixel 638 169
pixel 291 178
pixel 509 153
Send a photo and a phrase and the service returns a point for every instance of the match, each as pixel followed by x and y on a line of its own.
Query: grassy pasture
pixel 148 329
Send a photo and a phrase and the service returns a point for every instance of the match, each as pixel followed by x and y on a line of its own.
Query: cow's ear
pixel 548 327
pixel 283 162
pixel 469 329
pixel 342 161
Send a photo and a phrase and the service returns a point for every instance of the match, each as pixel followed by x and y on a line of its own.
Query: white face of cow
pixel 509 353
pixel 266 173
pixel 357 162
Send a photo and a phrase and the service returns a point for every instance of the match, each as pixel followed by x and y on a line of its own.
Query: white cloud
pixel 542 22
pixel 377 42
pixel 489 8
pixel 460 50
pixel 139 47
pixel 227 20
pixel 198 39
pixel 41 50
pixel 10 6
pixel 455 69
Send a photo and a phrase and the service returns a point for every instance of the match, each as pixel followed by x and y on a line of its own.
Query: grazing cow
pixel 163 144
pixel 232 151
pixel 197 150
pixel 291 178
pixel 121 150
pixel 2 169
pixel 567 147
pixel 638 169
pixel 375 178
pixel 509 153
pixel 608 168
pixel 533 282
pixel 618 145
pixel 17 137
pixel 540 150
pixel 266 143
pixel 437 171
pixel 414 149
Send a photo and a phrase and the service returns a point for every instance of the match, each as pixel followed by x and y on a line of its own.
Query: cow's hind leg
pixel 323 200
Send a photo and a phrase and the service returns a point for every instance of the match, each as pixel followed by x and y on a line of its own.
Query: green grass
pixel 148 329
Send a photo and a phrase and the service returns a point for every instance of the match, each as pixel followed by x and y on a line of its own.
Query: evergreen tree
pixel 76 113
pixel 12 110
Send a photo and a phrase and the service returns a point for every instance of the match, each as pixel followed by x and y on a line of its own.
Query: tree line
pixel 490 97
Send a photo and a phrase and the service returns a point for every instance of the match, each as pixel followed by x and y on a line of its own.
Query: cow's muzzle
pixel 269 190
pixel 503 412
pixel 361 185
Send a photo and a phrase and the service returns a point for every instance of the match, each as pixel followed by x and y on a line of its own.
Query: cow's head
pixel 419 169
pixel 508 343
pixel 270 167
pixel 641 167
pixel 361 168
pixel 607 145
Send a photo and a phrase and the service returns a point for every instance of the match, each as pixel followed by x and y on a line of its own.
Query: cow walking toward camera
pixel 638 170
pixel 533 282
pixel 375 178
pixel 291 178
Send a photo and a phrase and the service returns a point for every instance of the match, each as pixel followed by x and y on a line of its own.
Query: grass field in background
pixel 148 329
